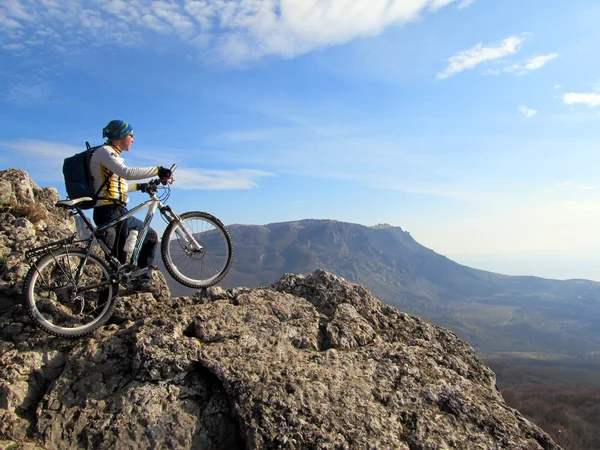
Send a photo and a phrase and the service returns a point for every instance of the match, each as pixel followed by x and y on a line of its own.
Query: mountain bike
pixel 72 286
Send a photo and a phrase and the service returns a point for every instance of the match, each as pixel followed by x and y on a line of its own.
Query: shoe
pixel 144 286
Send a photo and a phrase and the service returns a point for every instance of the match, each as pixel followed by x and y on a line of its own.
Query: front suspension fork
pixel 181 231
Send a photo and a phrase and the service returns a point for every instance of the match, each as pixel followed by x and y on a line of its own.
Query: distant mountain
pixel 499 314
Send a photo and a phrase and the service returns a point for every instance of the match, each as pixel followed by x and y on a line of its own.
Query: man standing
pixel 110 176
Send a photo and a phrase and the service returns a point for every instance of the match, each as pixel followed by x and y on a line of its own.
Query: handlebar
pixel 152 185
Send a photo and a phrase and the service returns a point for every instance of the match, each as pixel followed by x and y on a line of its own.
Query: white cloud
pixel 117 7
pixel 527 112
pixel 218 179
pixel 228 30
pixel 156 24
pixel 91 19
pixel 465 4
pixel 468 59
pixel 438 4
pixel 534 63
pixel 573 98
pixel 42 160
pixel 168 12
pixel 7 22
pixel 44 150
pixel 27 94
pixel 15 9
pixel 13 47
pixel 539 61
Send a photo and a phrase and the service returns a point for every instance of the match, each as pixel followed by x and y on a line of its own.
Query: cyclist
pixel 110 176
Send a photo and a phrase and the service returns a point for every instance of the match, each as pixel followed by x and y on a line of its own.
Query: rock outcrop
pixel 309 362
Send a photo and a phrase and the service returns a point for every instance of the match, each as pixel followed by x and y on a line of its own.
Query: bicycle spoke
pixel 69 292
pixel 203 262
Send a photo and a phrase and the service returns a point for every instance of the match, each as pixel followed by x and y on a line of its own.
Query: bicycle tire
pixel 60 308
pixel 192 268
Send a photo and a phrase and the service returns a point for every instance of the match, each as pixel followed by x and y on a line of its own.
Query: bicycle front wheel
pixel 201 263
pixel 68 292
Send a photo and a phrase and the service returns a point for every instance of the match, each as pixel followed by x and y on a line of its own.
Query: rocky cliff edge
pixel 309 362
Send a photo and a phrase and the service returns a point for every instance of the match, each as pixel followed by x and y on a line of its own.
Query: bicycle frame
pixel 152 204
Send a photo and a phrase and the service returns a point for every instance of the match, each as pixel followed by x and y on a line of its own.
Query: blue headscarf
pixel 117 129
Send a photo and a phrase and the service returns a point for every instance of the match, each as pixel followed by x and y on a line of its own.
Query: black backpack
pixel 78 179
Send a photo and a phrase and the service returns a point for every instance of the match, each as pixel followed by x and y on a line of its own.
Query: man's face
pixel 125 143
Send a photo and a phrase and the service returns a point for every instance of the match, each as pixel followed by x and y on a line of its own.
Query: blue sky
pixel 474 125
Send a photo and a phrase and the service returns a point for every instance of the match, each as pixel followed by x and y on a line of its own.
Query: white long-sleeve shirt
pixel 107 162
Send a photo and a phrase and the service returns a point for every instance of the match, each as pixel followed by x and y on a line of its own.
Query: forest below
pixel 562 400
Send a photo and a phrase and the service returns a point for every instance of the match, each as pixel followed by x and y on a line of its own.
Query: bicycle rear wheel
pixel 190 266
pixel 68 292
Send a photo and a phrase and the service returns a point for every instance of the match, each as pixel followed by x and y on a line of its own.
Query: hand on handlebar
pixel 165 175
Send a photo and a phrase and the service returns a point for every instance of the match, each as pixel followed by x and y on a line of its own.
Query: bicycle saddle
pixel 71 203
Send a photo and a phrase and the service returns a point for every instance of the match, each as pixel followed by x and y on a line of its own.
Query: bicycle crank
pixel 130 275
